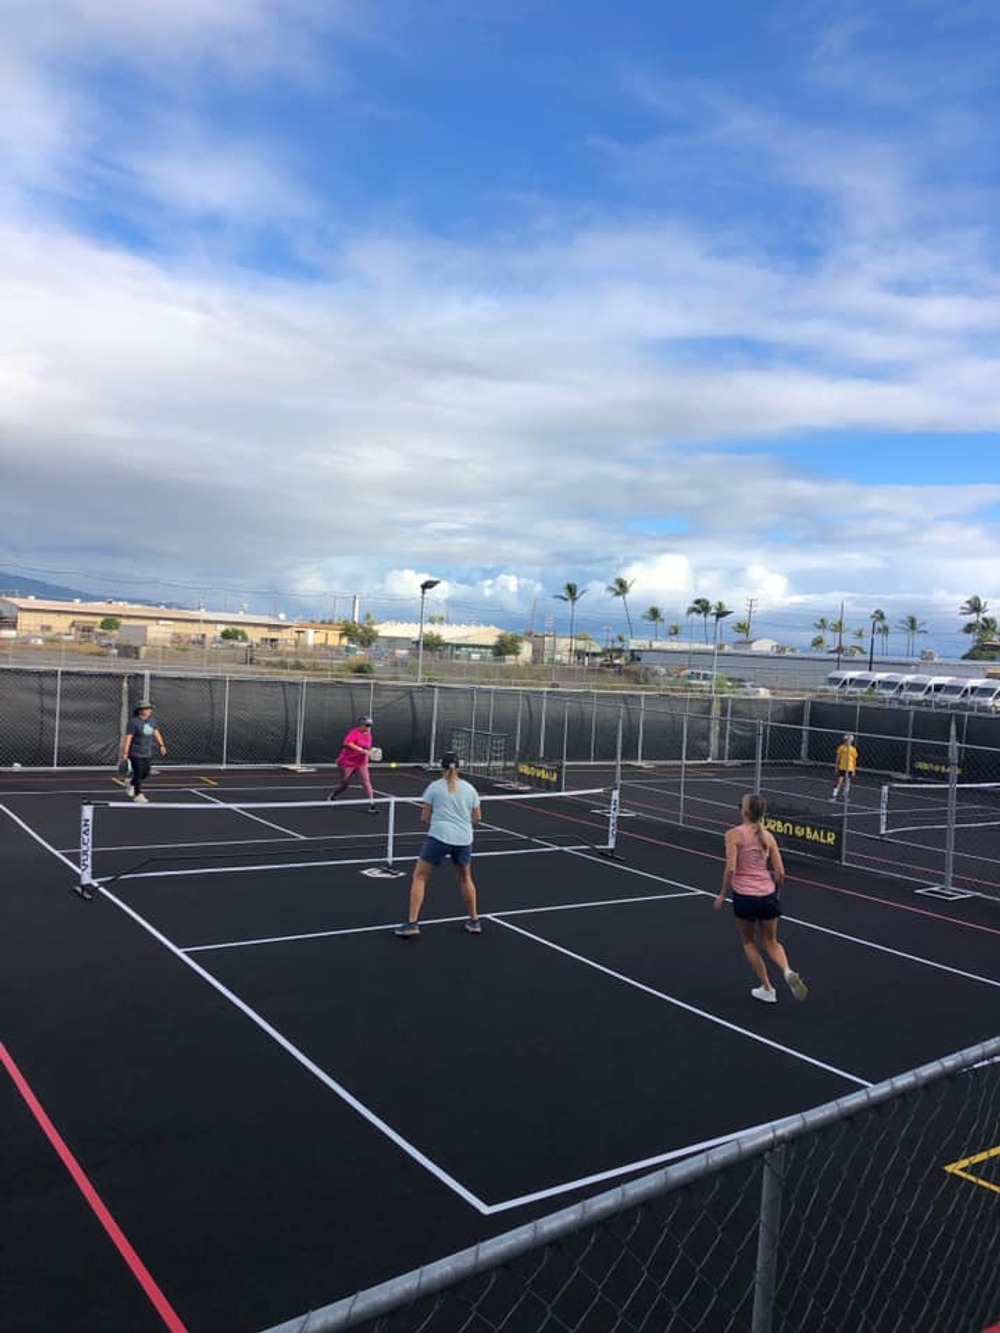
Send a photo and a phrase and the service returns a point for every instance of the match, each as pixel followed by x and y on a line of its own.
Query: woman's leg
pixel 366 782
pixel 345 778
pixel 467 888
pixel 769 934
pixel 775 950
pixel 748 931
pixel 422 872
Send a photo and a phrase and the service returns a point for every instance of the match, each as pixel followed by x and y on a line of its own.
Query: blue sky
pixel 317 298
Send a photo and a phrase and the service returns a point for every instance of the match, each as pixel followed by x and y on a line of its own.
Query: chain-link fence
pixel 875 1212
pixel 707 750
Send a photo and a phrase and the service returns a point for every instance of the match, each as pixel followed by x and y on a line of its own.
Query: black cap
pixel 449 759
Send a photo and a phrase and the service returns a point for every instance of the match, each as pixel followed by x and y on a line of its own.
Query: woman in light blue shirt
pixel 450 809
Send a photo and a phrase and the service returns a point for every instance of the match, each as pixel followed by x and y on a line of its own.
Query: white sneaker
pixel 140 797
pixel 765 994
pixel 796 985
pixel 129 790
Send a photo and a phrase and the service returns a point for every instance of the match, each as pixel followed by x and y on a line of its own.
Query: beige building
pixel 37 617
pixel 468 643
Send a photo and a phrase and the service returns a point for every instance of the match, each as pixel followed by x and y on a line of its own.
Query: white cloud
pixel 505 412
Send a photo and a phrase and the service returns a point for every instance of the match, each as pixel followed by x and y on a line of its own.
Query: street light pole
pixel 425 588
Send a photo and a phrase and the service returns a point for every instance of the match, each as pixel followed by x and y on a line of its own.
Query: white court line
pixel 682 1004
pixel 338 1088
pixel 279 828
pixel 73 865
pixel 375 1121
pixel 642 1164
pixel 566 1187
pixel 428 921
pixel 896 953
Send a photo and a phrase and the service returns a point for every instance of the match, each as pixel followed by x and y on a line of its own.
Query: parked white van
pixel 887 683
pixel 922 689
pixel 698 678
pixel 860 682
pixel 957 690
pixel 986 695
pixel 840 680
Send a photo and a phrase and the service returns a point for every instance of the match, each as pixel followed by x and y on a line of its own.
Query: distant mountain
pixel 16 585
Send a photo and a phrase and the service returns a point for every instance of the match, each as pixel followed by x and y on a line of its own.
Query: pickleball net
pixel 907 807
pixel 121 842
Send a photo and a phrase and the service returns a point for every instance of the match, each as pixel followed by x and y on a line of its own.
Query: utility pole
pixel 840 636
pixel 751 607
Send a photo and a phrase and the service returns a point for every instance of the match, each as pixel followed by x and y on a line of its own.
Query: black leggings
pixel 140 771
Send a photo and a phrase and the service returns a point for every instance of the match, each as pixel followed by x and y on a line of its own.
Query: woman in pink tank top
pixel 755 872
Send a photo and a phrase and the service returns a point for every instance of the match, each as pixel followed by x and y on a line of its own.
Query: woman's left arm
pixel 730 867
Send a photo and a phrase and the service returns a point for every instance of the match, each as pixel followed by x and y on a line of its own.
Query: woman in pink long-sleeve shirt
pixel 755 872
pixel 353 758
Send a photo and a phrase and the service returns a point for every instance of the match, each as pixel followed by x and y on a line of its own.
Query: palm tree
pixel 976 608
pixel 817 642
pixel 571 594
pixel 621 588
pixel 656 618
pixel 911 627
pixel 701 606
pixel 883 631
pixel 719 612
pixel 988 630
pixel 673 630
pixel 742 628
pixel 878 618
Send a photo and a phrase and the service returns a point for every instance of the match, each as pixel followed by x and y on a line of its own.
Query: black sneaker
pixel 407 930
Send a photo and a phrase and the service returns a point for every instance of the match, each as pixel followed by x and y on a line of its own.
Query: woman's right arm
pixel 777 864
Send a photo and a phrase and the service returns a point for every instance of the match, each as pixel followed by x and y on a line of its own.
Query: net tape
pixel 270 835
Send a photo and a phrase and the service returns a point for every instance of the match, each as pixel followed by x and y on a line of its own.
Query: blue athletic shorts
pixel 750 907
pixel 435 851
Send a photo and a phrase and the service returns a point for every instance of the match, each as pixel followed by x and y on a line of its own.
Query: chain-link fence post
pixel 225 719
pixel 432 739
pixel 768 1239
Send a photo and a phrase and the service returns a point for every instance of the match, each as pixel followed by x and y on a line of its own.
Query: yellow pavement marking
pixel 960 1169
pixel 211 781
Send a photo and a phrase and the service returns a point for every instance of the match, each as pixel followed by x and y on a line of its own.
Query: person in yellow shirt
pixel 846 766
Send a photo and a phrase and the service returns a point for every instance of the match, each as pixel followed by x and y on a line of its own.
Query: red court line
pixel 139 1270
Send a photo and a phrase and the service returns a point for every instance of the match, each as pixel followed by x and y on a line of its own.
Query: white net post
pixel 883 810
pixel 949 845
pixel 390 850
pixel 86 881
pixel 614 806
